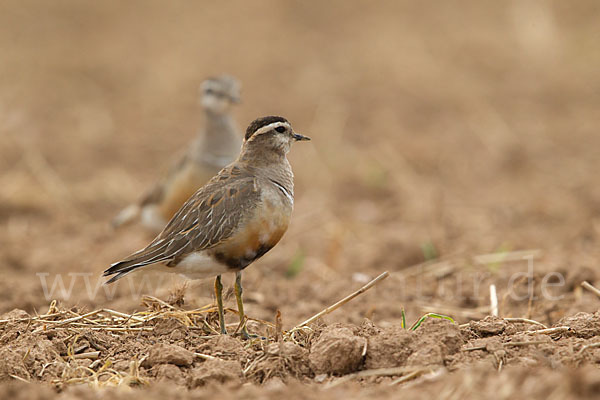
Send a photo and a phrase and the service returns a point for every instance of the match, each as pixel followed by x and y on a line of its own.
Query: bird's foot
pixel 249 336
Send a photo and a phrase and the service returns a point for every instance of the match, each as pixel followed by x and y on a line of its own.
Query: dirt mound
pixel 583 325
pixel 433 343
pixel 168 354
pixel 215 371
pixel 337 350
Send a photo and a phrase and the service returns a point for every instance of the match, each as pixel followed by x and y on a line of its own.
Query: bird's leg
pixel 238 296
pixel 219 295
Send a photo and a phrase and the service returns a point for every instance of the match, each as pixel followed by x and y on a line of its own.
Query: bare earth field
pixel 455 145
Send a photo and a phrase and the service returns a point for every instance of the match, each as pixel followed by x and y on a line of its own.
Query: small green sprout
pixel 429 315
pixel 296 264
pixel 429 251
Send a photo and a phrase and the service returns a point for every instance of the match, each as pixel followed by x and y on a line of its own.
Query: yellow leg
pixel 219 295
pixel 240 303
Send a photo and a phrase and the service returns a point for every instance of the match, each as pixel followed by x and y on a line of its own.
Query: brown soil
pixel 372 357
pixel 453 145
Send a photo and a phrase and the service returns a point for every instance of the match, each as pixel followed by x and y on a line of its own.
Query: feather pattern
pixel 208 218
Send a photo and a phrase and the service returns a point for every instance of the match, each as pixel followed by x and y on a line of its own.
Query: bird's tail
pixel 154 253
pixel 118 270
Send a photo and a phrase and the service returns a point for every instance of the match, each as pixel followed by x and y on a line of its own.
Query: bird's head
pixel 271 133
pixel 218 94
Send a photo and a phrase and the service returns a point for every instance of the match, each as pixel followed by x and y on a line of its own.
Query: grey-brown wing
pixel 208 218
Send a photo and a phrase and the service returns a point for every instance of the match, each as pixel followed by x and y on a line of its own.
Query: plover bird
pixel 232 221
pixel 217 146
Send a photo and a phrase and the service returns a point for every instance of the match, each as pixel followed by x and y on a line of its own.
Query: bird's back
pixel 234 219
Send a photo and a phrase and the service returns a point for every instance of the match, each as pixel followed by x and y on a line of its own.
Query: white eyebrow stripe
pixel 270 127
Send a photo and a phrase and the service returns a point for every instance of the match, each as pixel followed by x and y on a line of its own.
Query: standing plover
pixel 238 216
pixel 217 146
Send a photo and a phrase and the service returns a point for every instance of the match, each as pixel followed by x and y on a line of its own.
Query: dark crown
pixel 263 121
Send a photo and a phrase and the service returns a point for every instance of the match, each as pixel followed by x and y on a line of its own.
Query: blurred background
pixel 441 131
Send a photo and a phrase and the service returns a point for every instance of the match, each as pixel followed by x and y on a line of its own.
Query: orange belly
pixel 255 239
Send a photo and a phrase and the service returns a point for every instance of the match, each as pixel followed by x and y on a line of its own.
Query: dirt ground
pixel 455 145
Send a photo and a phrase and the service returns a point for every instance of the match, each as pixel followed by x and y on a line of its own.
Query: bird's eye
pixel 209 91
pixel 280 129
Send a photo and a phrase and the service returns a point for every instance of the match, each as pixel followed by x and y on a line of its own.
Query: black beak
pixel 299 137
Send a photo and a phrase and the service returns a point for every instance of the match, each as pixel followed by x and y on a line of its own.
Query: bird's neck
pixel 220 136
pixel 269 163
